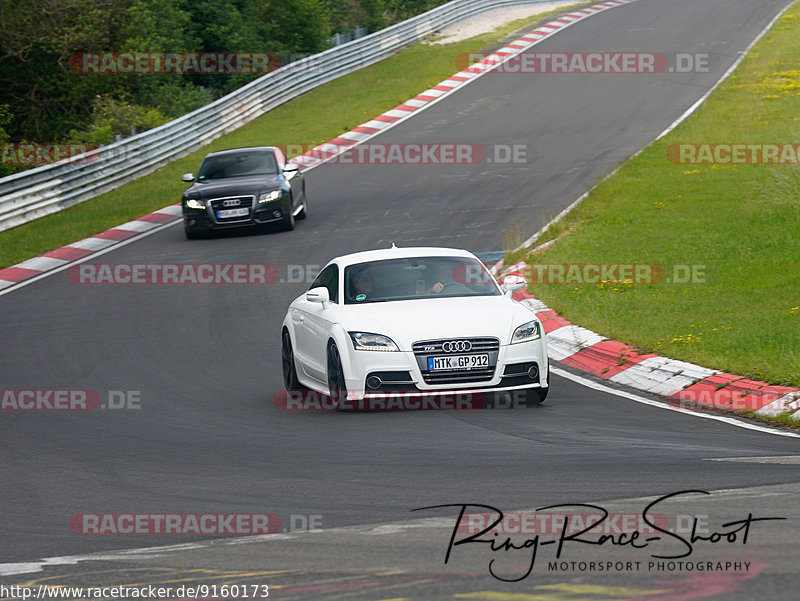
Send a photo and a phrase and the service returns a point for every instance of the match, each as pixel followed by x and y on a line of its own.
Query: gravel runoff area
pixel 489 21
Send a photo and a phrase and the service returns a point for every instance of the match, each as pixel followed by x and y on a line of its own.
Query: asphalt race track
pixel 205 363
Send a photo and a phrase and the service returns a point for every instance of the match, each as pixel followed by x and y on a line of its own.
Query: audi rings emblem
pixel 457 346
pixel 233 202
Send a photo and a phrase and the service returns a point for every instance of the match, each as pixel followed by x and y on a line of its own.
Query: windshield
pixel 237 165
pixel 415 278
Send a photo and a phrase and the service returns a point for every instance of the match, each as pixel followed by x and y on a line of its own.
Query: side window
pixel 329 278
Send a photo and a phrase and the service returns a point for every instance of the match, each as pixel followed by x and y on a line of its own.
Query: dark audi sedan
pixel 243 187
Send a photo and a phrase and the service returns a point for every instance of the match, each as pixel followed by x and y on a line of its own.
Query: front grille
pixel 245 202
pixel 433 348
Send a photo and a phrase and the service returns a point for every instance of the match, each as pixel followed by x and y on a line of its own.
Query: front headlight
pixel 269 196
pixel 526 332
pixel 364 341
pixel 194 203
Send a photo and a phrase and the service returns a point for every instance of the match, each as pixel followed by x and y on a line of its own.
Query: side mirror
pixel 512 283
pixel 290 170
pixel 187 177
pixel 318 295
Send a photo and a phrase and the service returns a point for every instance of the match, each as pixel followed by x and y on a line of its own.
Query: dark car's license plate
pixel 225 213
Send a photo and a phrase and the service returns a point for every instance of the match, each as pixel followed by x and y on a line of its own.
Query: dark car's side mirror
pixel 187 177
pixel 290 170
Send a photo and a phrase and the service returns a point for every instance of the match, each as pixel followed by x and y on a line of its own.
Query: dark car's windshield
pixel 417 277
pixel 237 165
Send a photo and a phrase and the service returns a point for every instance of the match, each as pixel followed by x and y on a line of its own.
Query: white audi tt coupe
pixel 424 321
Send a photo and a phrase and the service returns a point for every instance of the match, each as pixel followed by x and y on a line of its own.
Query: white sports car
pixel 426 321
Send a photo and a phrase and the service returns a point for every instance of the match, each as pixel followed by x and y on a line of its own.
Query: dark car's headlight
pixel 194 203
pixel 365 341
pixel 270 196
pixel 526 332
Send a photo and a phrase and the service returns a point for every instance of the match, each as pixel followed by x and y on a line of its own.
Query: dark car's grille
pixel 244 202
pixel 434 348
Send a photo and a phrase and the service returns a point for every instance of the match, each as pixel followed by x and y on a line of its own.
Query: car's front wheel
pixel 336 384
pixel 304 211
pixel 534 396
pixel 288 221
pixel 287 363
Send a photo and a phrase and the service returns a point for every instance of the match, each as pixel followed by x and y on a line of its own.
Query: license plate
pixel 457 362
pixel 233 213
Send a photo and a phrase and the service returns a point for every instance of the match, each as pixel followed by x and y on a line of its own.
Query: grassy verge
pixel 737 226
pixel 312 118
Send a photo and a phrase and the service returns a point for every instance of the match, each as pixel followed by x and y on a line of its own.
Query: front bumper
pixel 517 367
pixel 199 220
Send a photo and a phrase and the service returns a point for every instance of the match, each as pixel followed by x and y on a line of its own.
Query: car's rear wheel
pixel 287 363
pixel 336 384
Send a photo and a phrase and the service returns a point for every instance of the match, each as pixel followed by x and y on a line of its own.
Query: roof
pixel 238 150
pixel 400 253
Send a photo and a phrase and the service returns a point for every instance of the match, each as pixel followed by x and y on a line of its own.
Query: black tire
pixel 304 211
pixel 336 383
pixel 190 235
pixel 288 222
pixel 535 396
pixel 288 366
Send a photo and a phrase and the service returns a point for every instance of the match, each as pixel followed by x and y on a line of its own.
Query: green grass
pixel 310 119
pixel 742 223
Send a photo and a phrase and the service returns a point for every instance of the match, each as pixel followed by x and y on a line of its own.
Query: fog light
pixel 533 372
pixel 374 382
pixel 192 221
pixel 276 214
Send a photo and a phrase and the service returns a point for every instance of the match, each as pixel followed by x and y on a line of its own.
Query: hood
pixel 410 321
pixel 234 186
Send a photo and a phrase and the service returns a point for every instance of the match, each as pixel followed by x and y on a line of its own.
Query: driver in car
pixel 363 284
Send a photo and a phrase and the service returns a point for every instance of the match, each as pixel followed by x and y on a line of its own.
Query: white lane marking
pixel 779 460
pixel 662 375
pixel 93 243
pixel 725 75
pixel 41 263
pixel 170 210
pixel 568 340
pixel 662 405
pixel 135 226
pixel 788 403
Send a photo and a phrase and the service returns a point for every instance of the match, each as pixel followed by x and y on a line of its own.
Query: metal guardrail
pixel 32 194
